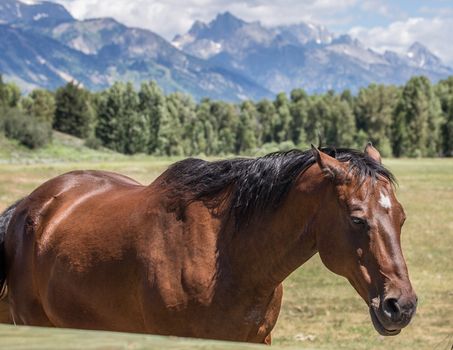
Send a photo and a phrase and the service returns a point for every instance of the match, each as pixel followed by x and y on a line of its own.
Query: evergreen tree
pixel 248 130
pixel 447 131
pixel 298 95
pixel 205 135
pixel 267 118
pixel 224 119
pixel 444 92
pixel 121 126
pixel 418 112
pixel 133 123
pixel 374 110
pixel 282 125
pixel 42 105
pixel 317 113
pixel 339 124
pixel 185 140
pixel 348 97
pixel 73 112
pixel 9 94
pixel 152 105
pixel 299 115
pixel 170 137
pixel 109 109
pixel 399 130
pixel 195 133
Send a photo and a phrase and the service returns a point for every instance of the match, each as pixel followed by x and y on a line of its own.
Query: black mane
pixel 258 184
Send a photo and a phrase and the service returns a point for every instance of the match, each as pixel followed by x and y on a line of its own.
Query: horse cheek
pixel 332 252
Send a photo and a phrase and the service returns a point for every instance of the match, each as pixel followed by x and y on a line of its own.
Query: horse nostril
pixel 392 309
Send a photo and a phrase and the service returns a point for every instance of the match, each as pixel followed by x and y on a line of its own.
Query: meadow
pixel 321 310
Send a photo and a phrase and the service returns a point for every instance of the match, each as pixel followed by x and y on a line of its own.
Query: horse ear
pixel 329 166
pixel 373 153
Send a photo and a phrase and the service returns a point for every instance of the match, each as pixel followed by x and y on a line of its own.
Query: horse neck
pixel 263 254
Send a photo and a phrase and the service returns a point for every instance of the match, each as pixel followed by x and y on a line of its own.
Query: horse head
pixel 364 244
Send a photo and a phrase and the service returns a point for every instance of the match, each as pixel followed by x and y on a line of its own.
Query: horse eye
pixel 358 221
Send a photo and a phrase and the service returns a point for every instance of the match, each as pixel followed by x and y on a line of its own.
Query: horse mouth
pixel 380 327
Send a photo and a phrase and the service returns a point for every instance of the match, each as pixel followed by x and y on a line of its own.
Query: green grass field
pixel 321 310
pixel 26 338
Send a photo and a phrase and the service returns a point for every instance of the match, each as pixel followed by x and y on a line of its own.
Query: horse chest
pixel 247 317
pixel 190 309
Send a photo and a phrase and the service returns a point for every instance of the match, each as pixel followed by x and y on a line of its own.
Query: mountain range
pixel 42 45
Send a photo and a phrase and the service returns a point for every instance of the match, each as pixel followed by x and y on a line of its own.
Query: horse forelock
pixel 258 185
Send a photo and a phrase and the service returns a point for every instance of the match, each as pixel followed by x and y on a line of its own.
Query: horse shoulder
pixel 179 245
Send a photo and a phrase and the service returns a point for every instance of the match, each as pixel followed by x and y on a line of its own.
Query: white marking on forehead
pixel 385 201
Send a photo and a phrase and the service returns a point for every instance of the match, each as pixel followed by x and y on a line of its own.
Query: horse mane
pixel 258 184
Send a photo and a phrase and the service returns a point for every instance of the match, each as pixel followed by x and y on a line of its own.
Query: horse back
pixel 66 236
pixel 55 202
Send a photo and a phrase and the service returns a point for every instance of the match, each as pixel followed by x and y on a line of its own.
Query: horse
pixel 203 250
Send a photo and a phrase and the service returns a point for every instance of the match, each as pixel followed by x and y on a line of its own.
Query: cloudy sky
pixel 380 24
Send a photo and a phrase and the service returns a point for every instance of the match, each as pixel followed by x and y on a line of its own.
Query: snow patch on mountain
pixel 31 2
pixel 40 16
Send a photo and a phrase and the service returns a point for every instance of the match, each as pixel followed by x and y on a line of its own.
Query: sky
pixel 379 24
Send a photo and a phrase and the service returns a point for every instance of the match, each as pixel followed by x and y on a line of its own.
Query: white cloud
pixel 377 6
pixel 170 17
pixel 434 33
pixel 436 11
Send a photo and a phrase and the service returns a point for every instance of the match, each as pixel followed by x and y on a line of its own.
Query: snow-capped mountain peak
pixel 420 56
pixel 42 45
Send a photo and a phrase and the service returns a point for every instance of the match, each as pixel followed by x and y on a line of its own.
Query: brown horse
pixel 203 250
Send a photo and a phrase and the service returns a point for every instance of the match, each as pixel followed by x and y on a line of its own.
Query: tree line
pixel 408 121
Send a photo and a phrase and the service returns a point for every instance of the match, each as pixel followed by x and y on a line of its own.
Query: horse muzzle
pixel 392 314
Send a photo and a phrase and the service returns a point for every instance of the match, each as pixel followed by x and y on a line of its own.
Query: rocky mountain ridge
pixel 42 45
pixel 304 55
pixel 38 50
